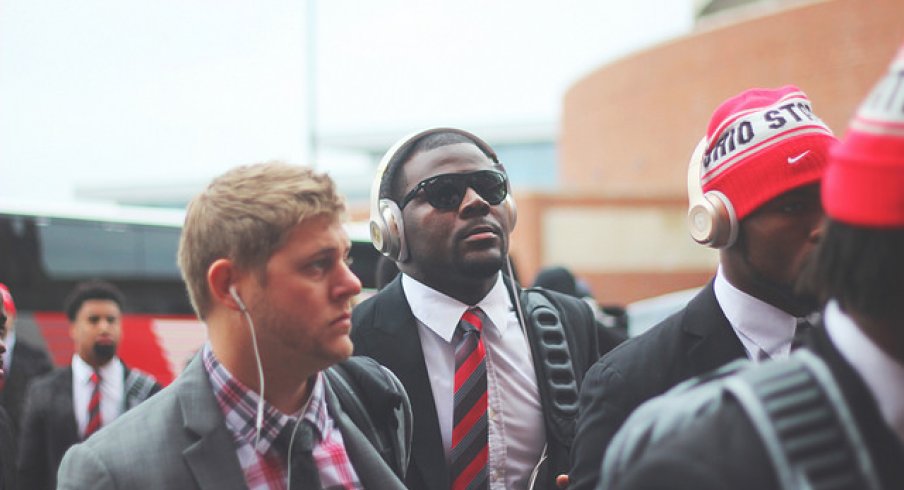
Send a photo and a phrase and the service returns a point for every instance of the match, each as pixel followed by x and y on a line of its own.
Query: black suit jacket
pixel 7 453
pixel 684 460
pixel 29 362
pixel 49 427
pixel 689 343
pixel 384 328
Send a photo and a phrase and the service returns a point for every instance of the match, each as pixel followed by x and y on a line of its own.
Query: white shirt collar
pixel 883 375
pixel 759 325
pixel 441 313
pixel 81 370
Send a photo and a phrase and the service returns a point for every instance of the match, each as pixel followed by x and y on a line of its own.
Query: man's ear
pixel 222 275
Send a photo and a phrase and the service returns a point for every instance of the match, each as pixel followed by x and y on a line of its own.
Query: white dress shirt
pixel 517 432
pixel 111 391
pixel 883 375
pixel 765 331
pixel 10 343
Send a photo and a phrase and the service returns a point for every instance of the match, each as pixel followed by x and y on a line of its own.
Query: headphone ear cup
pixel 387 231
pixel 712 222
pixel 710 215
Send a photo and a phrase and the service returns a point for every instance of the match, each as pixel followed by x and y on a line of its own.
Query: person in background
pixel 22 362
pixel 451 327
pixel 264 256
pixel 858 272
pixel 71 403
pixel 7 441
pixel 753 186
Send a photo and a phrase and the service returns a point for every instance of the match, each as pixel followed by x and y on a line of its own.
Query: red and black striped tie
pixel 469 430
pixel 94 421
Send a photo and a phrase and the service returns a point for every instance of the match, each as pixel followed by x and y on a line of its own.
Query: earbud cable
pixel 259 416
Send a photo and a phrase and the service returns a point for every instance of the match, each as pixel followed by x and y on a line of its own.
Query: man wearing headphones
pixel 451 324
pixel 831 416
pixel 753 185
pixel 264 257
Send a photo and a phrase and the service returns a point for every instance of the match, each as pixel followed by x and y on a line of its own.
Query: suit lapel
pixel 402 343
pixel 68 427
pixel 210 451
pixel 715 342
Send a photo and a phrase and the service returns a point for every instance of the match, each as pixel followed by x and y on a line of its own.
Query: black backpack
pixel 375 400
pixel 794 405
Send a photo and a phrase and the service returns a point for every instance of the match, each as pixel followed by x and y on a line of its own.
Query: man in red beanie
pixel 7 439
pixel 753 187
pixel 838 421
pixel 22 362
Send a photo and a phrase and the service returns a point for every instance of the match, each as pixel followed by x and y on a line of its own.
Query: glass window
pixel 73 248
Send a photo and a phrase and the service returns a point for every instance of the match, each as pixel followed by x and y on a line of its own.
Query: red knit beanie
pixel 762 143
pixel 864 183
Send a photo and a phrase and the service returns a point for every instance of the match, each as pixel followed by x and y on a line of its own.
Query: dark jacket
pixel 49 427
pixel 691 342
pixel 684 460
pixel 7 454
pixel 29 362
pixel 384 328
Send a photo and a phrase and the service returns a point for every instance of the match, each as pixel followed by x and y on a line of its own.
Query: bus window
pixel 45 252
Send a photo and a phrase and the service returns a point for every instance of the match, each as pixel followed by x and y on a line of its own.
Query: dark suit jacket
pixel 684 460
pixel 28 362
pixel 7 454
pixel 178 440
pixel 689 343
pixel 49 427
pixel 384 328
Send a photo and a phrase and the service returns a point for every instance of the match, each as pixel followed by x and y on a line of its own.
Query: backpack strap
pixel 550 348
pixel 805 424
pixel 138 387
pixel 377 403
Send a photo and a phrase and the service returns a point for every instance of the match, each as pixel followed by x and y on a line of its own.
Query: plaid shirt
pixel 264 467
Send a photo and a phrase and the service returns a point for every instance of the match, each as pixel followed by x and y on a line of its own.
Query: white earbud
pixel 235 296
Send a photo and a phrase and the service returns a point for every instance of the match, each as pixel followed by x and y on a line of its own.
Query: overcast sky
pixel 100 93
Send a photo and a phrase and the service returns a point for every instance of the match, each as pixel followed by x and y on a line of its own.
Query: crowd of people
pixel 785 371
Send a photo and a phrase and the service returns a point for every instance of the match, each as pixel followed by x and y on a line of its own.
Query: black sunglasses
pixel 446 191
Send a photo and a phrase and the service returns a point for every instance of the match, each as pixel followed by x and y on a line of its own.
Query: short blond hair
pixel 244 216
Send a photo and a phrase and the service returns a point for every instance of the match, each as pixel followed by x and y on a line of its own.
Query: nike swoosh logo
pixel 793 160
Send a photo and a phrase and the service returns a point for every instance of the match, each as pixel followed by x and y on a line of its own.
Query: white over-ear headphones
pixel 387 229
pixel 710 216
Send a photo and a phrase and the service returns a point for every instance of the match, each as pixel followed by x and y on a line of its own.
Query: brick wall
pixel 630 126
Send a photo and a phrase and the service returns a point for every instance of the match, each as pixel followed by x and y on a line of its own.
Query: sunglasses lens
pixel 490 186
pixel 445 192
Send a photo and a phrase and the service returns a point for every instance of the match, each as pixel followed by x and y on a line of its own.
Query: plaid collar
pixel 239 406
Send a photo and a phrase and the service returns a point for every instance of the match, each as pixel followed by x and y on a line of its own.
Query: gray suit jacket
pixel 178 439
pixel 49 427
